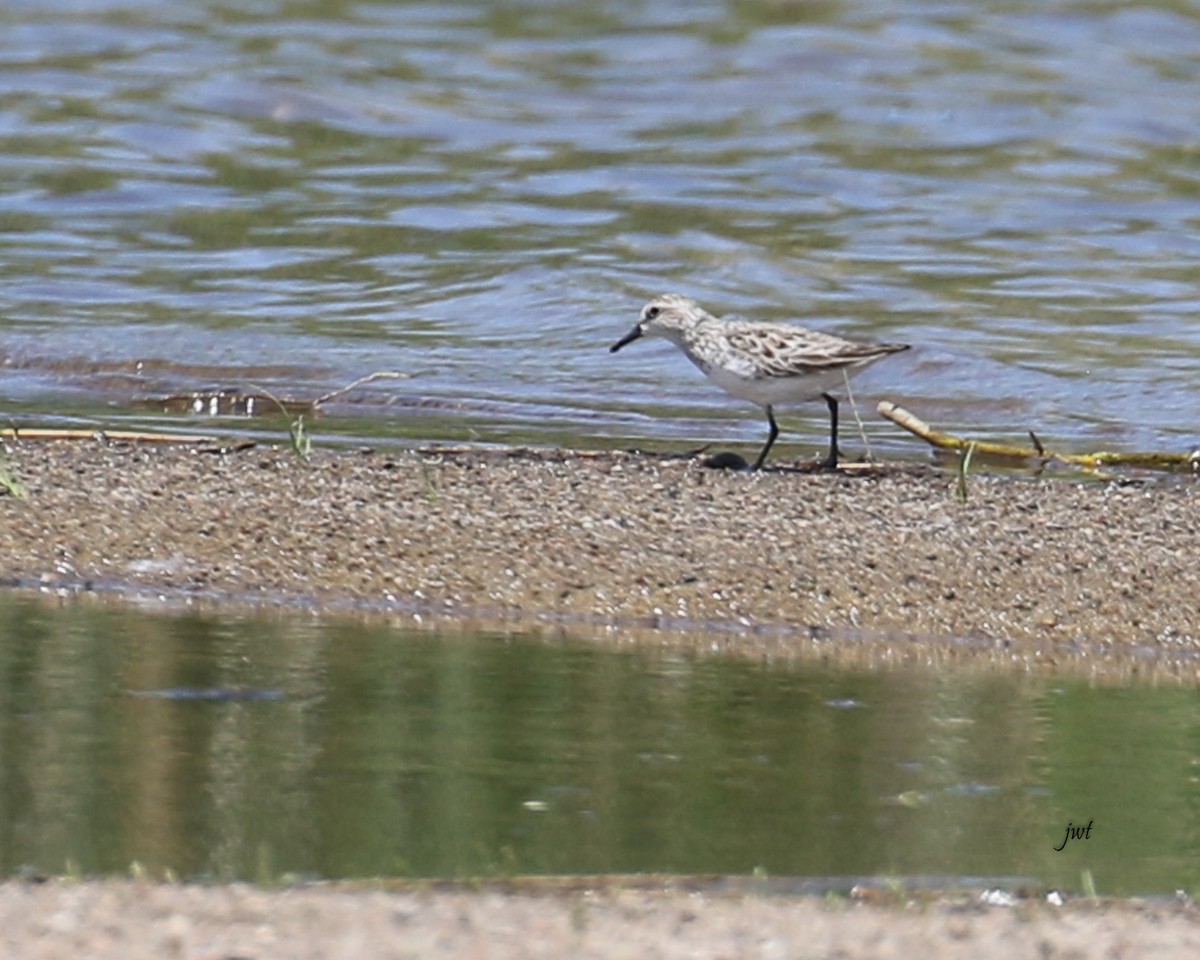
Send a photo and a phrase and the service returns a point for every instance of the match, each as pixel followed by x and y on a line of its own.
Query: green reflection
pixel 377 751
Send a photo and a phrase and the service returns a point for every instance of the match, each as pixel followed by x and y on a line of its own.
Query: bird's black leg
pixel 831 461
pixel 770 439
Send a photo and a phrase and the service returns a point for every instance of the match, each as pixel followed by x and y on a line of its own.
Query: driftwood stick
pixel 1088 461
pixel 947 441
pixel 117 436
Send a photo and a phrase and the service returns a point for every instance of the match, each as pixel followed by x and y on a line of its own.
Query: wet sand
pixel 880 566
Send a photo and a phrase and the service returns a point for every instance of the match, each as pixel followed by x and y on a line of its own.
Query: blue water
pixel 481 195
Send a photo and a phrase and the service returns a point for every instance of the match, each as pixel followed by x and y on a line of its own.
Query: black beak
pixel 632 335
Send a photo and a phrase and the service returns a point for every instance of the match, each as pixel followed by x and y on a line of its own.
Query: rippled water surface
pixel 480 196
pixel 261 747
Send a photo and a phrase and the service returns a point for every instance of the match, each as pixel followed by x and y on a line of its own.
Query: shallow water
pixel 266 747
pixel 480 196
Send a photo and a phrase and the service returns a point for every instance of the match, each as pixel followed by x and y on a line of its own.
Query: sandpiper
pixel 765 363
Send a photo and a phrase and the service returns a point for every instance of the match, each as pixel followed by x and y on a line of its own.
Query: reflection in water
pixel 329 748
pixel 480 196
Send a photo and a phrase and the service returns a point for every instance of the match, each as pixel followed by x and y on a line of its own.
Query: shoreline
pixel 883 565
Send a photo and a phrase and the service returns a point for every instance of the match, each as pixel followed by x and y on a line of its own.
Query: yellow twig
pixel 119 436
pixel 1088 461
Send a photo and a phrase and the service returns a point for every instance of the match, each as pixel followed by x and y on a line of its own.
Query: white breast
pixel 738 380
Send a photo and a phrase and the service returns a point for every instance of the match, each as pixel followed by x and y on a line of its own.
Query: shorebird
pixel 765 363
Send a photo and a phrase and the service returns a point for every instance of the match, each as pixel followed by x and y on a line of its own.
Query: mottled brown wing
pixel 788 351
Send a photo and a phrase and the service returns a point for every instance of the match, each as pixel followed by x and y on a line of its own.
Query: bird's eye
pixel 652 312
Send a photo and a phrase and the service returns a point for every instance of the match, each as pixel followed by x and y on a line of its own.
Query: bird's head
pixel 669 315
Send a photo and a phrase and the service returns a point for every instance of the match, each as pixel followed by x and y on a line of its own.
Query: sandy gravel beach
pixel 130 921
pixel 882 566
pixel 886 564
